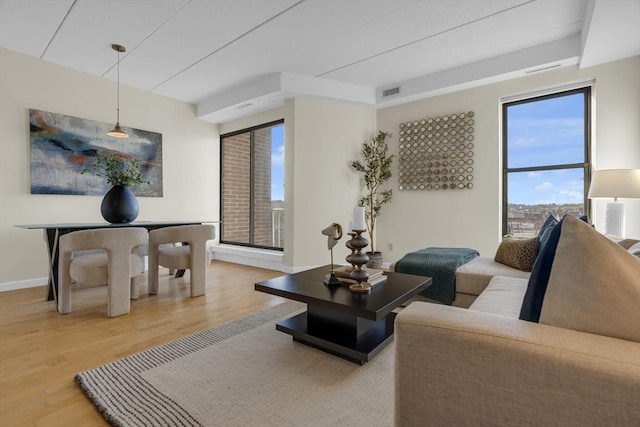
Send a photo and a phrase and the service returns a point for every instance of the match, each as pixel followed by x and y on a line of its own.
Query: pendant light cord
pixel 118 91
pixel 117 131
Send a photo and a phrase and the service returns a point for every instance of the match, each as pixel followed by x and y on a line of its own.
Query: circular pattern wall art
pixel 436 153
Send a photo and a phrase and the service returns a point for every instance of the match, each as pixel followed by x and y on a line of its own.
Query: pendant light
pixel 117 130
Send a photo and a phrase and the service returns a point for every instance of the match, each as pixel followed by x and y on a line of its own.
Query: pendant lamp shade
pixel 117 131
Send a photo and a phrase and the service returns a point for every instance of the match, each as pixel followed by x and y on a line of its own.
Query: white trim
pixel 23 284
pixel 262 258
pixel 548 91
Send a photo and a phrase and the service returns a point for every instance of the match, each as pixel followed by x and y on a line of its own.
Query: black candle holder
pixel 357 259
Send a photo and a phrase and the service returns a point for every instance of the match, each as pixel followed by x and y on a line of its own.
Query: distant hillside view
pixel 526 220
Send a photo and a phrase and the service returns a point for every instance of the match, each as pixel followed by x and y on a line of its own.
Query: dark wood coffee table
pixel 351 325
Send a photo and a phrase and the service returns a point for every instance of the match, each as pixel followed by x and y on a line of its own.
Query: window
pixel 252 193
pixel 545 159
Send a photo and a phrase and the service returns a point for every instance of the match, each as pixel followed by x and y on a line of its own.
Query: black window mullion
pixel 252 165
pixel 585 166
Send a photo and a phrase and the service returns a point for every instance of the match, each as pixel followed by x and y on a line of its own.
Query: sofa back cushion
pixel 594 285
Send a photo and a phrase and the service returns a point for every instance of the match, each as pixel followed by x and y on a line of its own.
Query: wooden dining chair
pixel 191 254
pixel 118 266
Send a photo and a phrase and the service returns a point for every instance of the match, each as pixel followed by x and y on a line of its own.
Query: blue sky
pixel 277 162
pixel 541 133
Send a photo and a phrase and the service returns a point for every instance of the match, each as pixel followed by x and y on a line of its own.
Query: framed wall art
pixel 63 146
pixel 436 153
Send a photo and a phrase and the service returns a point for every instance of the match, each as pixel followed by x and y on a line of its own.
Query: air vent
pixel 391 91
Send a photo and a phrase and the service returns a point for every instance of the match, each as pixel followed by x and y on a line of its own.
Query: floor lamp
pixel 615 183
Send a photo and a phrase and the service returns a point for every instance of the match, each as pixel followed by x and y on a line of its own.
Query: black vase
pixel 119 205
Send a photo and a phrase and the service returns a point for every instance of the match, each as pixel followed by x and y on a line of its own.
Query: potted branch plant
pixel 375 168
pixel 119 205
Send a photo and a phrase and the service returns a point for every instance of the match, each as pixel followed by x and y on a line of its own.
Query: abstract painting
pixel 63 146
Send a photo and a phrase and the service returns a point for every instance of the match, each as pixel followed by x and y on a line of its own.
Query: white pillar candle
pixel 358 218
pixel 350 227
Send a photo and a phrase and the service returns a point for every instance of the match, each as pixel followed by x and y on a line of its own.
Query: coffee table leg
pixel 347 336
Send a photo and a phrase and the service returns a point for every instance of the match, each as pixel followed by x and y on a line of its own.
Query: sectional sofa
pixel 565 355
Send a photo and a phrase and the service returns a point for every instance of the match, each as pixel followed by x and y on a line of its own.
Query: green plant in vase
pixel 119 205
pixel 375 168
pixel 116 170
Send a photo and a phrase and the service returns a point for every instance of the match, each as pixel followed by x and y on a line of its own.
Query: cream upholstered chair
pixel 119 266
pixel 194 256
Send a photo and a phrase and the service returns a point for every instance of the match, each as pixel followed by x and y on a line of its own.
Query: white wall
pixel 471 218
pixel 327 136
pixel 190 156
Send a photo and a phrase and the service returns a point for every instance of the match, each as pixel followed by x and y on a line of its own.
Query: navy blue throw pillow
pixel 549 222
pixel 537 286
pixel 545 231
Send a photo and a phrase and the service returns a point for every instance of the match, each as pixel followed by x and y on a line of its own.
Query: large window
pixel 545 159
pixel 252 193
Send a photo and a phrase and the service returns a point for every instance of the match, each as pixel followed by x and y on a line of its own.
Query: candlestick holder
pixel 357 259
pixel 350 247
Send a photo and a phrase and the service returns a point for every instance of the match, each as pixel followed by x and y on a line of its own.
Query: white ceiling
pixel 232 58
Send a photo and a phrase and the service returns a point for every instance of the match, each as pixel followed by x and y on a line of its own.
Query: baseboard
pixel 271 260
pixel 24 284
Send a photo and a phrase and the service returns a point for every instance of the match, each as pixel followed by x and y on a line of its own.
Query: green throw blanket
pixel 439 263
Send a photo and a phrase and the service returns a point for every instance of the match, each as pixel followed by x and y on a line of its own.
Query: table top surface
pixel 86 225
pixel 308 287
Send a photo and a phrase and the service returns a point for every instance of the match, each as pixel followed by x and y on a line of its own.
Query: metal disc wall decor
pixel 436 153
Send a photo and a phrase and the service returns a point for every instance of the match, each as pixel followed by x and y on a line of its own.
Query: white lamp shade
pixel 615 183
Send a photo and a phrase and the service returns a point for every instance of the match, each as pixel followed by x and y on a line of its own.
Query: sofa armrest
pixel 460 367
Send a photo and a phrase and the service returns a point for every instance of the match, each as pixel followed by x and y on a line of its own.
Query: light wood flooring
pixel 41 350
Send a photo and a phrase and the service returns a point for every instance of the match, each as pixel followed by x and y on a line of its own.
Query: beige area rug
pixel 243 373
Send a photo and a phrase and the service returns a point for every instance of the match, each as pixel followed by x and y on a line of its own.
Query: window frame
pixel 251 131
pixel 586 165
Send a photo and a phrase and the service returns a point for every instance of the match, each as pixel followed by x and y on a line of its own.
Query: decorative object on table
pixel 343 273
pixel 62 146
pixel 117 131
pixel 357 259
pixel 376 170
pixel 119 205
pixel 348 244
pixel 333 233
pixel 436 153
pixel 615 183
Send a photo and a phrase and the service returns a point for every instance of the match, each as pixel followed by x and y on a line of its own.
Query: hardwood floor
pixel 41 350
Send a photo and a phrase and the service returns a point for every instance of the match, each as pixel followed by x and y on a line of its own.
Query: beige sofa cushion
pixel 503 297
pixel 594 285
pixel 456 367
pixel 473 277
